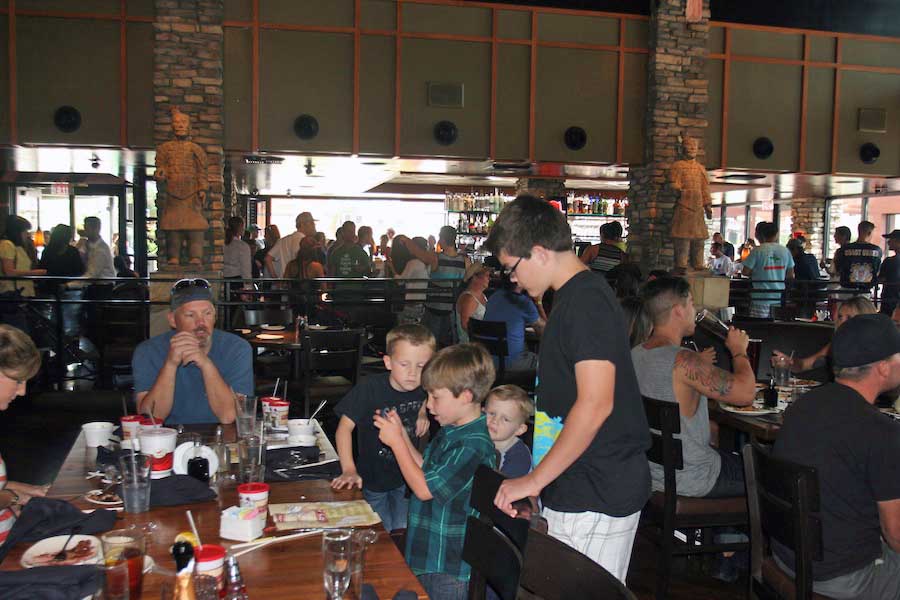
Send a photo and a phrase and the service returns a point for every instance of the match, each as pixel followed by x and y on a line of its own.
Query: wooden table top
pixel 291 569
pixel 762 429
pixel 287 339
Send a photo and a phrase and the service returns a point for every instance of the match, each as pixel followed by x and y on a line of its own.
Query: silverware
pixel 61 555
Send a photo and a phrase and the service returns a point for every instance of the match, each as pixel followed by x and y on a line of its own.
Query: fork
pixel 61 555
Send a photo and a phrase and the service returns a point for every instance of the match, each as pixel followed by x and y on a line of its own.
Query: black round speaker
pixel 763 148
pixel 445 132
pixel 575 138
pixel 306 127
pixel 869 153
pixel 67 119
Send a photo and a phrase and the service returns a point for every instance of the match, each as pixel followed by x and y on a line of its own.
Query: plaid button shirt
pixel 437 527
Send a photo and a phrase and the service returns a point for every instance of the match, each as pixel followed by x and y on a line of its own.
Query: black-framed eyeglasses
pixel 183 284
pixel 508 273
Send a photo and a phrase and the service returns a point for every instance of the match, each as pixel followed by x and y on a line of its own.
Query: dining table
pixel 289 569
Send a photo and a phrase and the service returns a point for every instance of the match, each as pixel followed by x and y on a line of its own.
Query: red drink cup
pixel 211 561
pixel 131 425
pixel 159 443
pixel 253 495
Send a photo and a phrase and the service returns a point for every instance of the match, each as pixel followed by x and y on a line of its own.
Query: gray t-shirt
pixel 701 461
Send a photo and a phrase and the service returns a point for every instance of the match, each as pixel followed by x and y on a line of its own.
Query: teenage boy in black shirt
pixel 837 429
pixel 858 263
pixel 591 434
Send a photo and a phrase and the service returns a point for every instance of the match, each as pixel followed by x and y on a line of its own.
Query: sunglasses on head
pixel 184 284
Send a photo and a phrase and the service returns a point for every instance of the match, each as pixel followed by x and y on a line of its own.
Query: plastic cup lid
pixel 209 552
pixel 160 432
pixel 252 488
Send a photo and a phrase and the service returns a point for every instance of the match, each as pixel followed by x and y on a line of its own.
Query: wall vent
pixel 872 120
pixel 446 95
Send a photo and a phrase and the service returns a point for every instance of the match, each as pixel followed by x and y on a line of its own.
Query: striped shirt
pixel 608 257
pixel 449 268
pixel 437 527
pixel 7 518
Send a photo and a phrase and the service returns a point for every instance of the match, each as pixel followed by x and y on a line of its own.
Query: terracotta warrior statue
pixel 182 178
pixel 688 177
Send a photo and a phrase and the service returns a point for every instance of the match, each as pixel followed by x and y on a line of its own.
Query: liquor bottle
pixel 234 582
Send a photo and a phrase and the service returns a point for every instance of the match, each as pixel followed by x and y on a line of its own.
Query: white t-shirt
pixel 415 269
pixel 285 250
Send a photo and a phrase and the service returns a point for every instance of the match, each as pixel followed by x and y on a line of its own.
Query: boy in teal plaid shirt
pixel 457 380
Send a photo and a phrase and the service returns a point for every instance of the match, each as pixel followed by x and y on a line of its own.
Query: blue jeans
pixel 391 506
pixel 440 586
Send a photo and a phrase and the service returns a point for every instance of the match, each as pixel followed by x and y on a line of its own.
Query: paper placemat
pixel 325 515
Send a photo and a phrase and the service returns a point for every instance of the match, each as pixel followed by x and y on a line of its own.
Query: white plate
pixel 757 410
pixel 269 336
pixel 317 327
pixel 182 455
pixel 243 331
pixel 268 327
pixel 93 500
pixel 53 545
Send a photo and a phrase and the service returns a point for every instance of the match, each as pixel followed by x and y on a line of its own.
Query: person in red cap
pixel 837 429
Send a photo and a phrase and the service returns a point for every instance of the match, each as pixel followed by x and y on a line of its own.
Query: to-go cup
pixel 159 443
pixel 275 412
pixel 211 561
pixel 97 433
pixel 253 495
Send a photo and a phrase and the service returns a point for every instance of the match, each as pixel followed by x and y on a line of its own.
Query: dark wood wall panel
pixel 429 18
pixel 764 100
pixel 513 85
pixel 554 27
pixel 868 90
pixel 110 7
pixel 306 73
pixel 140 84
pixel 139 8
pixel 238 83
pixel 636 33
pixel 514 24
pixel 238 10
pixel 449 62
pixel 576 87
pixel 633 106
pixel 376 89
pixel 322 13
pixel 875 54
pixel 716 41
pixel 4 80
pixel 766 43
pixel 713 143
pixel 68 62
pixel 819 108
pixel 378 14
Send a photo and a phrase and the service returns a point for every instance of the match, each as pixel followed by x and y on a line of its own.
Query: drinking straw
pixel 193 526
pixel 277 382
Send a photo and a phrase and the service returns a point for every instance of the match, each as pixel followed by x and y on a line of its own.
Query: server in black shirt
pixel 855 449
pixel 858 263
pixel 591 433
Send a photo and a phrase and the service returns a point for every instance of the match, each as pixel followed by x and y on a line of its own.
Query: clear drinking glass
pixel 245 414
pixel 114 585
pixel 126 546
pixel 251 459
pixel 781 370
pixel 135 473
pixel 336 554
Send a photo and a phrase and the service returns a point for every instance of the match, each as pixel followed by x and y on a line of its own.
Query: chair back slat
pixel 665 422
pixel 492 335
pixel 783 498
pixel 484 489
pixel 494 559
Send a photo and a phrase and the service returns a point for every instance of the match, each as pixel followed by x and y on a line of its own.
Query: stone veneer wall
pixel 677 101
pixel 808 215
pixel 188 68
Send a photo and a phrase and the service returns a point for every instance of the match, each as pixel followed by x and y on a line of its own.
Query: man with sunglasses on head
pixel 590 431
pixel 188 375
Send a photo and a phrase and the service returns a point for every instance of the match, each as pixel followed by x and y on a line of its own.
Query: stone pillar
pixel 808 216
pixel 676 106
pixel 188 67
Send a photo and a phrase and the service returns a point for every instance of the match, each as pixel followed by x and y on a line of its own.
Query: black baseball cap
pixel 894 235
pixel 863 340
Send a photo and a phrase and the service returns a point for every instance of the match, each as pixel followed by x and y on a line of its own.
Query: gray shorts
pixel 877 581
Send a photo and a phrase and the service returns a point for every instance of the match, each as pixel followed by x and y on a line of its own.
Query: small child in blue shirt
pixel 508 409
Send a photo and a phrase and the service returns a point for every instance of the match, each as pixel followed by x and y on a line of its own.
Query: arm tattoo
pixel 703 376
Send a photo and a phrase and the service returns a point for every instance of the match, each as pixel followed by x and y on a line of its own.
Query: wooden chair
pixel 667 511
pixel 783 499
pixel 331 363
pixel 495 560
pixel 492 335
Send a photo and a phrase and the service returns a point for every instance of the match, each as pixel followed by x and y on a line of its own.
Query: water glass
pixel 135 470
pixel 245 414
pixel 251 459
pixel 781 370
pixel 336 551
pixel 114 585
pixel 126 546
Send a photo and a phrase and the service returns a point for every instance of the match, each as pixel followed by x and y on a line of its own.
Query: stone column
pixel 808 216
pixel 676 106
pixel 188 67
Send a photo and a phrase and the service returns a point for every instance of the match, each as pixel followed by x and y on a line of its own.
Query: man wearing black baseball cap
pixel 855 449
pixel 889 275
pixel 189 375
